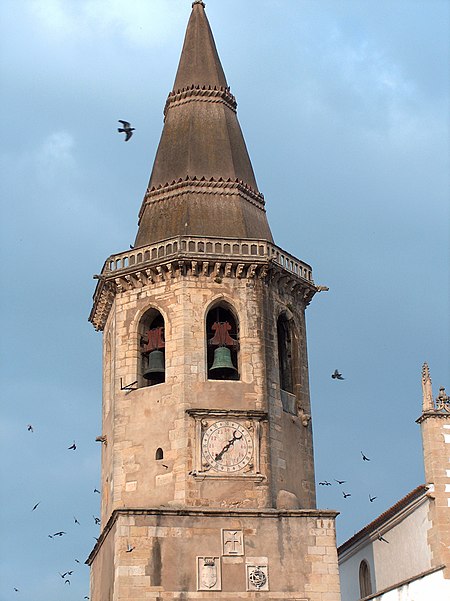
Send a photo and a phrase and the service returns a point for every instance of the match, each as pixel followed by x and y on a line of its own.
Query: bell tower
pixel 207 457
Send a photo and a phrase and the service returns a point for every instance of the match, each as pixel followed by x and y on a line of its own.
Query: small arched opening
pixel 365 585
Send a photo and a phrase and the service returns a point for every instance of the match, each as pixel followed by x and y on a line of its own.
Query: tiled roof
pixel 383 518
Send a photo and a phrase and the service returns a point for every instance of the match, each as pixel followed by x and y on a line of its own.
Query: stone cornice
pixel 439 413
pixel 194 185
pixel 208 512
pixel 214 258
pixel 202 94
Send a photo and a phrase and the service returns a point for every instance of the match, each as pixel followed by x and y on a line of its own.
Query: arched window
pixel 159 454
pixel 365 585
pixel 152 349
pixel 285 354
pixel 222 339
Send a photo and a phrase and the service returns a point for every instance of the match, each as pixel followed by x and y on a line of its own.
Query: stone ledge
pixel 209 512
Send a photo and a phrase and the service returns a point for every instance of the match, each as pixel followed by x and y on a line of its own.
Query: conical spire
pixel 202 182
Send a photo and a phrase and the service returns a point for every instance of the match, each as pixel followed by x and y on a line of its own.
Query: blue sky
pixel 344 108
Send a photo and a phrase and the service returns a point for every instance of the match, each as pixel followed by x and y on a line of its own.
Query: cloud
pixel 54 156
pixel 138 22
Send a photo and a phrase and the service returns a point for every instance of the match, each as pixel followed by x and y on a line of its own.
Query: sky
pixel 344 108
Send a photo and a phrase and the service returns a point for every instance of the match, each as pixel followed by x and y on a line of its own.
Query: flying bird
pixel 59 533
pixel 346 494
pixel 371 499
pixel 72 447
pixel 96 520
pixel 75 520
pixel 364 458
pixel 379 537
pixel 77 560
pixel 126 129
pixel 67 581
pixel 96 490
pixel 340 481
pixel 129 548
pixel 325 483
pixel 37 505
pixel 30 428
pixel 16 589
pixel 336 375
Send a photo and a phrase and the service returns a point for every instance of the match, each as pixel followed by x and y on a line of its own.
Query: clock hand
pixel 229 444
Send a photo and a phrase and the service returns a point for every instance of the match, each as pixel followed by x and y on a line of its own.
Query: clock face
pixel 227 446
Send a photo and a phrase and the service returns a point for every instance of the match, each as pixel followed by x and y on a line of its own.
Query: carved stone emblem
pixel 208 574
pixel 257 577
pixel 232 542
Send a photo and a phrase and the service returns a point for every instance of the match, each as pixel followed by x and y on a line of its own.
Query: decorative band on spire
pixel 201 93
pixel 198 2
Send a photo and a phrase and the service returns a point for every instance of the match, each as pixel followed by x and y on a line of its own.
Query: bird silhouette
pixel 340 481
pixel 96 520
pixel 67 581
pixel 364 458
pixel 96 490
pixel 72 447
pixel 30 428
pixel 36 506
pixel 324 483
pixel 16 590
pixel 336 375
pixel 129 548
pixel 60 533
pixel 77 560
pixel 126 129
pixel 371 499
pixel 346 494
pixel 75 520
pixel 381 538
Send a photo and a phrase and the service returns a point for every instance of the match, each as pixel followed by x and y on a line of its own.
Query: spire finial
pixel 427 392
pixel 198 2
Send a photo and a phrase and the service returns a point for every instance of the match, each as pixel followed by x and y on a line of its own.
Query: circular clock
pixel 227 446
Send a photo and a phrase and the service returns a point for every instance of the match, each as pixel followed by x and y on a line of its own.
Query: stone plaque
pixel 257 577
pixel 232 542
pixel 208 574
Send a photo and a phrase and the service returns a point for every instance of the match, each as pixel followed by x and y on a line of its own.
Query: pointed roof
pixel 202 182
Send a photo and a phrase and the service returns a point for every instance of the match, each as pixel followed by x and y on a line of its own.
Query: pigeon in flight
pixel 336 375
pixel 129 548
pixel 325 483
pixel 75 520
pixel 340 481
pixel 346 494
pixel 36 506
pixel 126 129
pixel 364 458
pixel 16 589
pixel 380 538
pixel 59 533
pixel 72 447
pixel 371 499
pixel 30 428
pixel 96 490
pixel 96 520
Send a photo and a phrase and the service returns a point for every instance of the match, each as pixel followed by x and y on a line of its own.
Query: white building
pixel 404 554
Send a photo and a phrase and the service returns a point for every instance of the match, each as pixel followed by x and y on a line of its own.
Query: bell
pixel 222 359
pixel 155 365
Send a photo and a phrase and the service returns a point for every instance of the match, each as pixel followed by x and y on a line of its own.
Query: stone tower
pixel 207 457
pixel 435 425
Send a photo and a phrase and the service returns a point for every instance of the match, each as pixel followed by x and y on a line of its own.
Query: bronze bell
pixel 155 365
pixel 222 359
